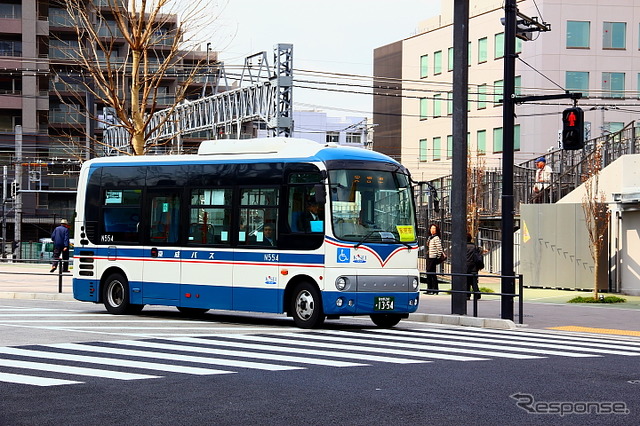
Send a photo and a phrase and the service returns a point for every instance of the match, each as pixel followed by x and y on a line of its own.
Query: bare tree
pixel 596 213
pixel 475 190
pixel 122 54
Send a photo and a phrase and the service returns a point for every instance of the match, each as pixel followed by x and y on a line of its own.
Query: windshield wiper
pixel 359 243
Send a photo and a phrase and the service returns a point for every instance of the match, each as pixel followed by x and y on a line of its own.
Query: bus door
pixel 256 258
pixel 162 264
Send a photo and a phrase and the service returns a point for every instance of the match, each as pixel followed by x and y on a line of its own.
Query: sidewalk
pixel 543 308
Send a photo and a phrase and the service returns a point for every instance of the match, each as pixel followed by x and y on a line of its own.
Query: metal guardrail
pixel 59 269
pixel 475 294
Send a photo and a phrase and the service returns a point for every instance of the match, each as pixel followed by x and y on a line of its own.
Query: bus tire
pixel 306 306
pixel 115 296
pixel 386 320
pixel 191 312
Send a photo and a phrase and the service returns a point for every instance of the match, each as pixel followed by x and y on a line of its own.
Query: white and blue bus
pixel 276 225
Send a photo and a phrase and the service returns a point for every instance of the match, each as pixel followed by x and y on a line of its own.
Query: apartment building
pixel 37 38
pixel 593 47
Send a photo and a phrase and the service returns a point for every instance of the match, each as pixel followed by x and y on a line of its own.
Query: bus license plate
pixel 383 303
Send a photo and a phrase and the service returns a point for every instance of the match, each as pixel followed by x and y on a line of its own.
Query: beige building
pixel 593 48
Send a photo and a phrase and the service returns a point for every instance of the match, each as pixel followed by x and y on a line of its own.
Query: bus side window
pixel 258 206
pixel 210 216
pixel 164 219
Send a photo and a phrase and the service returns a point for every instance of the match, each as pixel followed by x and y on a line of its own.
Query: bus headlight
pixel 341 283
pixel 415 283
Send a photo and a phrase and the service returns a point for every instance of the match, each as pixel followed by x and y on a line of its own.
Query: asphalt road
pixel 227 369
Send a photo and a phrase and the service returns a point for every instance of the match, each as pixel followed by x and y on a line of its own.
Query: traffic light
pixel 573 128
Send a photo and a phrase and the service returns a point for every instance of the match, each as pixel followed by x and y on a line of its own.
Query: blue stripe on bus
pixel 248 299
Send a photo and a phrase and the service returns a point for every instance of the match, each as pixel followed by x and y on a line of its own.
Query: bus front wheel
pixel 116 296
pixel 386 320
pixel 306 306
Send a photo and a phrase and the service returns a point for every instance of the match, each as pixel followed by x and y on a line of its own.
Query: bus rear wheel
pixel 116 296
pixel 386 320
pixel 306 306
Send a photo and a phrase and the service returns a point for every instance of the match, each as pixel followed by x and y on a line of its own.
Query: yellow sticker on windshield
pixel 407 233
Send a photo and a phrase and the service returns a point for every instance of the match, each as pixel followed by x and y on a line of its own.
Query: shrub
pixel 591 299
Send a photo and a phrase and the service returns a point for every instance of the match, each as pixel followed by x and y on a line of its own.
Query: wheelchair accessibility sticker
pixel 344 255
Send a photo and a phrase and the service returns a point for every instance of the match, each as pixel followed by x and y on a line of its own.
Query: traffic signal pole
pixel 508 120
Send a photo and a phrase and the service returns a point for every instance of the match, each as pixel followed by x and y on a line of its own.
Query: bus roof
pixel 262 149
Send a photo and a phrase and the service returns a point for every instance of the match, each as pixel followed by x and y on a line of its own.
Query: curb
pixel 38 296
pixel 495 323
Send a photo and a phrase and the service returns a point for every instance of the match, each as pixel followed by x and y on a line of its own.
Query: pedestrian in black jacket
pixel 474 263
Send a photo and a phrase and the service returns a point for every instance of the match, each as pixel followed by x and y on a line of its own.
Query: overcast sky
pixel 328 35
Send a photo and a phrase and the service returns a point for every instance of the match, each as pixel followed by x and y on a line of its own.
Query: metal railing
pixel 475 294
pixel 59 268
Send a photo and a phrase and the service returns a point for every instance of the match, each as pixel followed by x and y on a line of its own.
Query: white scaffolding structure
pixel 267 100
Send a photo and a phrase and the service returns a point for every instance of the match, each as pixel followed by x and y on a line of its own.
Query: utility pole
pixel 459 151
pixel 5 171
pixel 508 110
pixel 18 198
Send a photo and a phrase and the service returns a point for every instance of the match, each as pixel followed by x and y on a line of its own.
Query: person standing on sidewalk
pixel 434 253
pixel 60 238
pixel 474 264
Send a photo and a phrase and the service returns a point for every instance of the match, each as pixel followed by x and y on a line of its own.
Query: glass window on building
pixel 516 137
pixel 450 59
pixel 577 81
pixel 450 102
pixel 482 96
pixel 437 62
pixel 424 108
pixel 613 84
pixel 449 147
pixel 423 150
pixel 613 126
pixel 614 35
pixel 498 91
pixel 497 140
pixel 517 82
pixel 424 66
pixel 353 137
pixel 437 146
pixel 481 142
pixel 498 46
pixel 437 105
pixel 482 50
pixel 333 137
pixel 578 33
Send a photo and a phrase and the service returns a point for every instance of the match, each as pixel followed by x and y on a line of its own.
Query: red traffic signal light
pixel 573 128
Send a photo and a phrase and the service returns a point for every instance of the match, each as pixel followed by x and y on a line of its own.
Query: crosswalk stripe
pixel 111 361
pixel 34 381
pixel 498 346
pixel 540 343
pixel 291 349
pixel 258 355
pixel 78 371
pixel 427 345
pixel 174 357
pixel 541 335
pixel 359 348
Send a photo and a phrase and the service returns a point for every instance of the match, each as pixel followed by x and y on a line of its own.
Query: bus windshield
pixel 372 206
